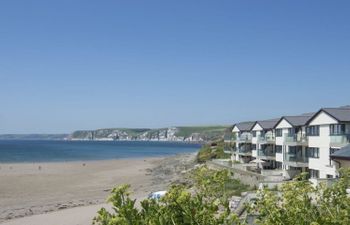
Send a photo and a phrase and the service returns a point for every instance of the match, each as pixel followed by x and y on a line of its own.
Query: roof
pixel 343 153
pixel 341 114
pixel 245 126
pixel 268 124
pixel 297 121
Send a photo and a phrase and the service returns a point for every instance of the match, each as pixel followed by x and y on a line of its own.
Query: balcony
pixel 244 138
pixel 339 140
pixel 295 160
pixel 296 139
pixel 245 151
pixel 267 139
pixel 266 154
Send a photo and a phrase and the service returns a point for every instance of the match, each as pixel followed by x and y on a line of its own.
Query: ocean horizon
pixel 27 151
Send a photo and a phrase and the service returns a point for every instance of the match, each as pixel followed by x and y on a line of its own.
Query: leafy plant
pixel 301 203
pixel 208 204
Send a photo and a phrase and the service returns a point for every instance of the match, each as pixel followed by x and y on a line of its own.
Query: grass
pixel 207 153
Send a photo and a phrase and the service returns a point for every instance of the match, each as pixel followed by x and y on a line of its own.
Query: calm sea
pixel 58 151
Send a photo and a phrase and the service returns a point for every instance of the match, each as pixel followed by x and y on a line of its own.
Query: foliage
pixel 207 205
pixel 209 131
pixel 207 152
pixel 301 203
pixel 218 182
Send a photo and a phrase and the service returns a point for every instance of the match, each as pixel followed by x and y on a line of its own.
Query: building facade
pixel 294 144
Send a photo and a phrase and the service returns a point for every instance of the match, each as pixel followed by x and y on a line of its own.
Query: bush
pixel 208 205
pixel 207 152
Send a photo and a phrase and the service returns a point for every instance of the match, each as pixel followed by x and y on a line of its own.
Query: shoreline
pixel 27 189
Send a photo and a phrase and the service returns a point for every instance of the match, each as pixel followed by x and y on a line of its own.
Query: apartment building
pixel 317 143
pixel 291 144
pixel 328 131
pixel 242 138
pixel 263 142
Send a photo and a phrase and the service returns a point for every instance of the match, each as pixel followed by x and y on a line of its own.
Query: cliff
pixel 191 134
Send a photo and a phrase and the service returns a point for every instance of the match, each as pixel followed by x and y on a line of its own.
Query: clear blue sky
pixel 69 64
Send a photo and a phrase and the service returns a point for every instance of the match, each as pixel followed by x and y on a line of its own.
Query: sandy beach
pixel 71 192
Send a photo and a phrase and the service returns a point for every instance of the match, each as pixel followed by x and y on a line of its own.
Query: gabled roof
pixel 297 121
pixel 245 126
pixel 267 124
pixel 341 114
pixel 343 153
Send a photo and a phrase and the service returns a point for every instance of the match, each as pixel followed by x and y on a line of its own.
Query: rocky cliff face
pixel 190 134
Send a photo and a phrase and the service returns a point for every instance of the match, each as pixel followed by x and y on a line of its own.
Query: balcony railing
pixel 267 138
pixel 265 152
pixel 340 140
pixel 296 139
pixel 245 151
pixel 245 138
pixel 295 160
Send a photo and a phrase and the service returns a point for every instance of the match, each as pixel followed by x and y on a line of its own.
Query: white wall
pixel 323 143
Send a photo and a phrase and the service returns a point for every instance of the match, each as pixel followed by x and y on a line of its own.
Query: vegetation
pixel 207 204
pixel 301 203
pixel 297 202
pixel 213 150
pixel 210 132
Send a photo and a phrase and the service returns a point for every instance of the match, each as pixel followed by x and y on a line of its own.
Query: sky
pixel 67 65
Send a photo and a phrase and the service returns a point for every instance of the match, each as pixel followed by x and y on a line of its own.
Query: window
pixel 293 131
pixel 314 173
pixel 278 148
pixel 278 132
pixel 336 129
pixel 313 131
pixel 254 133
pixel 254 146
pixel 313 152
pixel 295 150
pixel 329 176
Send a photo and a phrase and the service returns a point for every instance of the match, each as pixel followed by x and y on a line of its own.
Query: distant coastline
pixel 191 134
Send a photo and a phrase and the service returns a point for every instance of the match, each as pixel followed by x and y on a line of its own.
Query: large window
pixel 295 150
pixel 278 132
pixel 336 129
pixel 278 148
pixel 293 131
pixel 314 173
pixel 313 131
pixel 313 152
pixel 254 133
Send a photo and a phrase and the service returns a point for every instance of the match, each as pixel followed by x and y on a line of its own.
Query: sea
pixel 17 151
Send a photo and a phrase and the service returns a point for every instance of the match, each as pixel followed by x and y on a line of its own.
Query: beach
pixel 70 192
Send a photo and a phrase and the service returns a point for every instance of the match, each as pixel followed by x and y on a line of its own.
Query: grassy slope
pixel 187 131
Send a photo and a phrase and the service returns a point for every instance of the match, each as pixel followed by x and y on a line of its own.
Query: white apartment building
pixel 328 131
pixel 318 143
pixel 291 144
pixel 242 138
pixel 263 142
